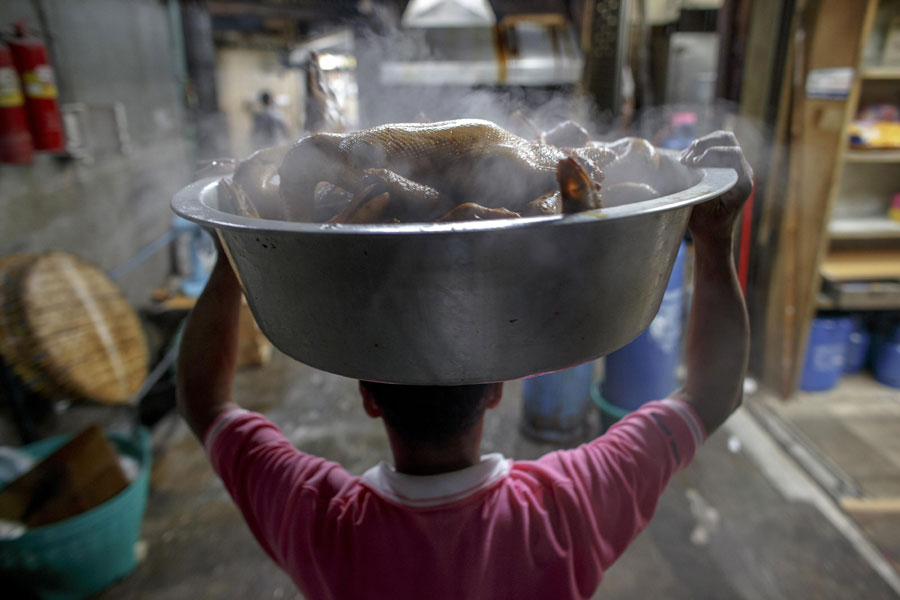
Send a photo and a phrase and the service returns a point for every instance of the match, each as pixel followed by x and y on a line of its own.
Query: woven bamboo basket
pixel 65 328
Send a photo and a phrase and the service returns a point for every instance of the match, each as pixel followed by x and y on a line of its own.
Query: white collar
pixel 434 490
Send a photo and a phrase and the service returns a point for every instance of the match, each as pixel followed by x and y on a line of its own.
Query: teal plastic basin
pixel 82 555
pixel 610 414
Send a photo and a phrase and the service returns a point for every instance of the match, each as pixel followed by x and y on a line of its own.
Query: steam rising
pixel 527 112
pixel 436 300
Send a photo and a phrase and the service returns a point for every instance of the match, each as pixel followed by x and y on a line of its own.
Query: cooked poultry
pixel 471 211
pixel 465 160
pixel 567 134
pixel 636 158
pixel 410 201
pixel 329 201
pixel 445 171
pixel 579 192
pixel 368 206
pixel 548 204
pixel 234 200
pixel 253 189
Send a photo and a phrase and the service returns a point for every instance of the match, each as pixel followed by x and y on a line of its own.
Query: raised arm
pixel 718 335
pixel 208 353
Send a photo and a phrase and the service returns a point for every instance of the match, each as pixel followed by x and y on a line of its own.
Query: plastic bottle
pixel 195 254
pixel 684 125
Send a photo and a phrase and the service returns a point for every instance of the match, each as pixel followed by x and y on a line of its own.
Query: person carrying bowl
pixel 445 521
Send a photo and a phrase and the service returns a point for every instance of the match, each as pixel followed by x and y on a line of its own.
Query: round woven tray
pixel 66 328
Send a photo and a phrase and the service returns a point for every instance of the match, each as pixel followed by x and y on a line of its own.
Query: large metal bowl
pixel 455 303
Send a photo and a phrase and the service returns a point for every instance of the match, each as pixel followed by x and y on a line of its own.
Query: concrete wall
pixel 107 210
pixel 242 74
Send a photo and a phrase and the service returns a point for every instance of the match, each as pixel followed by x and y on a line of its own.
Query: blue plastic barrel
pixel 825 353
pixel 857 347
pixel 646 369
pixel 886 359
pixel 554 405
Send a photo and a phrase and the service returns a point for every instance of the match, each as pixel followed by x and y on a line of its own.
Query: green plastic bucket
pixel 610 414
pixel 82 555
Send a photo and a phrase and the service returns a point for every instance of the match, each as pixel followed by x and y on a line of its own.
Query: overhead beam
pixel 306 10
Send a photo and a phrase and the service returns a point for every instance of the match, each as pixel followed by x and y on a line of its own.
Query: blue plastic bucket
pixel 825 353
pixel 647 368
pixel 82 555
pixel 857 347
pixel 554 405
pixel 886 363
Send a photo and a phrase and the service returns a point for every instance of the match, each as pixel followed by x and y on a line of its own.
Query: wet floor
pixel 738 523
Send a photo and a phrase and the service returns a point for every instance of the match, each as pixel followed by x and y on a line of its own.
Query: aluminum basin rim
pixel 188 203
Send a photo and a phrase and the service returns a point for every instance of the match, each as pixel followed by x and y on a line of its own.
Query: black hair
pixel 430 412
pixel 265 98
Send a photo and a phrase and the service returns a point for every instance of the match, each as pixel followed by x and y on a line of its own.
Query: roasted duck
pixel 455 161
pixel 457 170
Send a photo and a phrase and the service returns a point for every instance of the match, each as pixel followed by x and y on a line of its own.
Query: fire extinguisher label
pixel 40 83
pixel 10 93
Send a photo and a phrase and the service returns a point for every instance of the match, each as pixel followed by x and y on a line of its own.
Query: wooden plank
pixel 863 228
pixel 82 474
pixel 762 46
pixel 837 443
pixel 887 486
pixel 858 303
pixel 869 300
pixel 881 526
pixel 871 505
pixel 767 290
pixel 872 156
pixel 880 432
pixel 826 302
pixel 889 72
pixel 861 265
pixel 764 98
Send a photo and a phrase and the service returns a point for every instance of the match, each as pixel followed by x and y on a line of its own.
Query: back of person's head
pixel 265 98
pixel 431 412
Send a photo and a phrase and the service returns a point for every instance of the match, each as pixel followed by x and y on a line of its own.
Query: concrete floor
pixel 854 427
pixel 729 526
pixel 848 439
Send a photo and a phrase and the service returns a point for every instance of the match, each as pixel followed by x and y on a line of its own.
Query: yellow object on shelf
pixel 880 134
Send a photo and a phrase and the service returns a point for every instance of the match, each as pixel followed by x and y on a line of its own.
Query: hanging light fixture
pixel 448 13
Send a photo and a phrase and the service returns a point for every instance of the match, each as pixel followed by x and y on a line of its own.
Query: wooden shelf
pixel 872 156
pixel 863 228
pixel 861 265
pixel 825 302
pixel 890 72
pixel 873 301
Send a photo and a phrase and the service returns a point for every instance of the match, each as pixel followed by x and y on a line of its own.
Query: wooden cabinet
pixel 825 203
pixel 863 256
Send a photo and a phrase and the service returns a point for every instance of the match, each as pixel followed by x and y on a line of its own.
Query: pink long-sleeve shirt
pixel 547 528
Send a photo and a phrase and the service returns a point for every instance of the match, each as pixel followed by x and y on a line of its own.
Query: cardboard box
pixel 81 475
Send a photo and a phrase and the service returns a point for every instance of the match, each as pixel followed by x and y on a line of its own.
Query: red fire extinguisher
pixel 33 65
pixel 15 141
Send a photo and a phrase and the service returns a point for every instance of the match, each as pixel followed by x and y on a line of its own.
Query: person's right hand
pixel 715 219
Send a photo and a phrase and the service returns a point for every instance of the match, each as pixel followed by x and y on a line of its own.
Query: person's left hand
pixel 715 219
